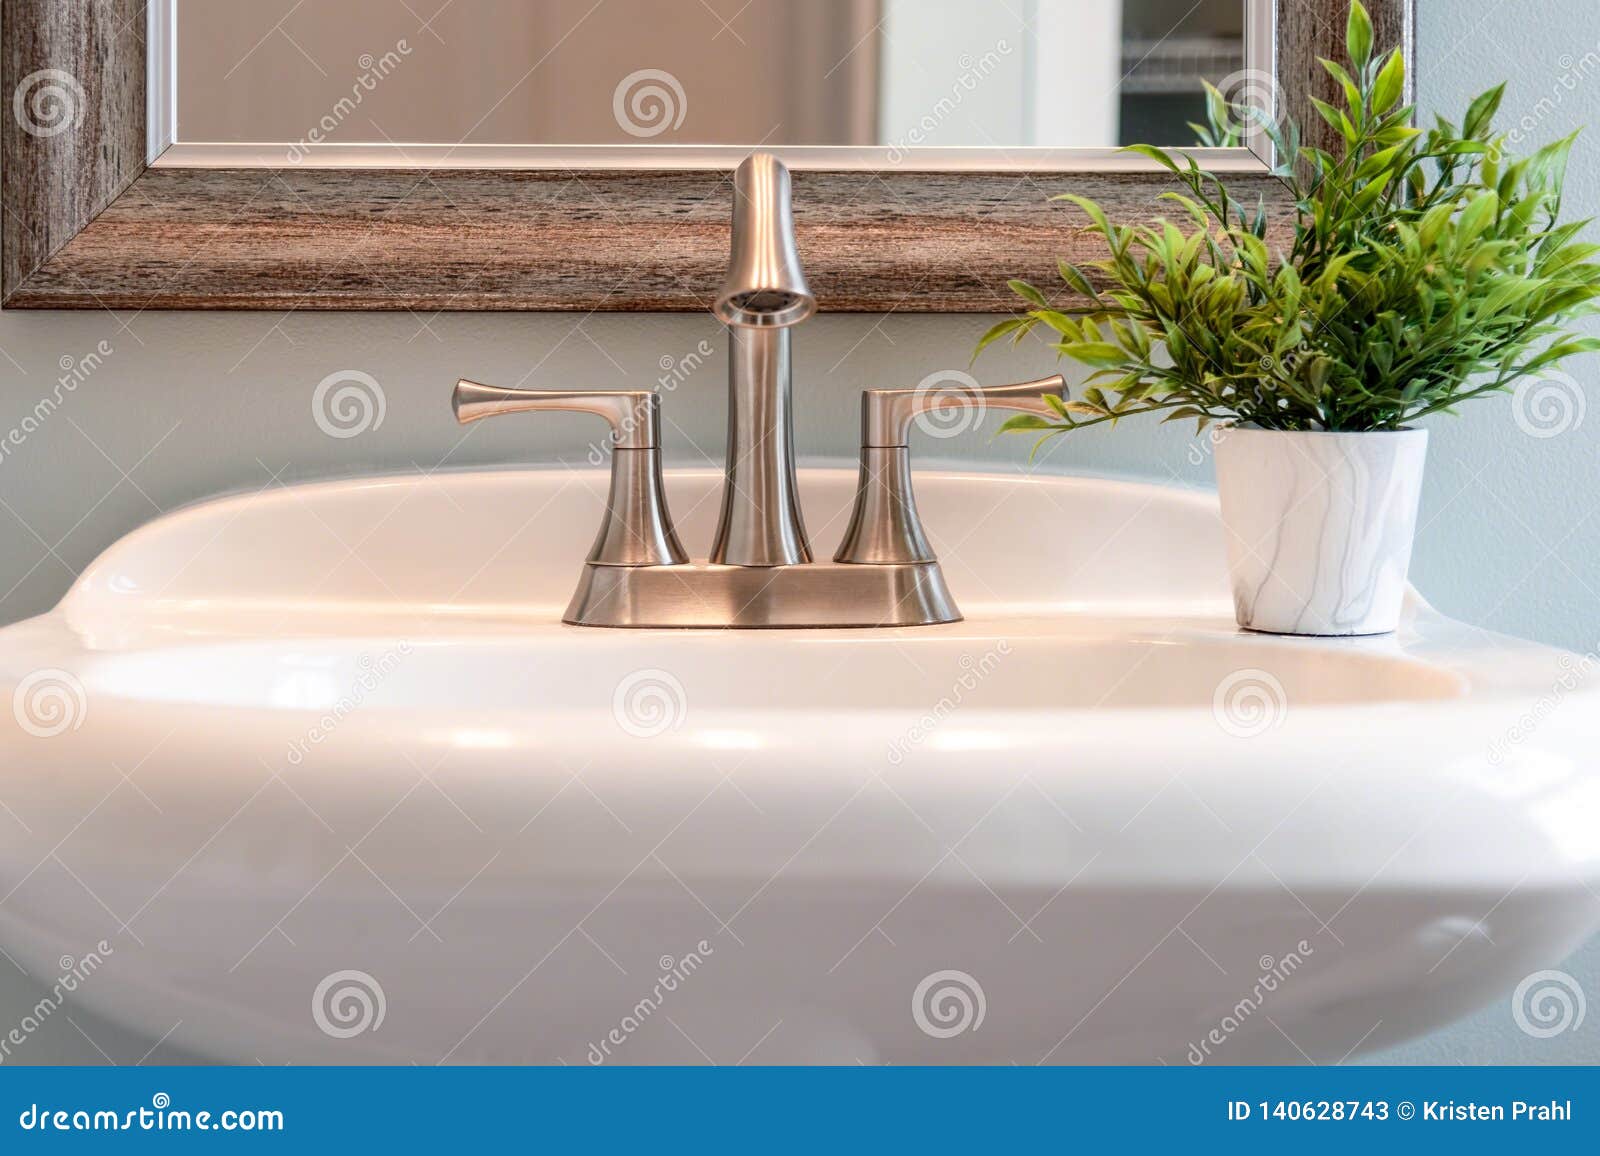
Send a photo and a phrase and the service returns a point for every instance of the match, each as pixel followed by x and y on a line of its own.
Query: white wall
pixel 191 404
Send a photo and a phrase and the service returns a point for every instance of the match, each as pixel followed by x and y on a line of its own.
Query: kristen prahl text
pixel 1444 1111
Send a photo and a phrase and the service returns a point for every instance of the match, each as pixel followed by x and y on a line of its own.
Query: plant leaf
pixel 1390 83
pixel 1095 353
pixel 1018 325
pixel 1028 292
pixel 1358 36
pixel 1480 113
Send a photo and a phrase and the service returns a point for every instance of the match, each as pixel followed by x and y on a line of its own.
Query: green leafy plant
pixel 1425 269
pixel 1223 129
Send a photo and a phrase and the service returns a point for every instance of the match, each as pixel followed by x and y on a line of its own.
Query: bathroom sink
pixel 323 769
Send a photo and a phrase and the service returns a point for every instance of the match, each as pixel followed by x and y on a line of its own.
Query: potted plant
pixel 1426 268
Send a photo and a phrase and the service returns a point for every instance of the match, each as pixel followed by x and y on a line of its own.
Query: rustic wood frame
pixel 88 223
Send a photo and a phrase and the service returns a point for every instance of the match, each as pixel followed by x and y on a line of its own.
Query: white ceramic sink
pixel 272 741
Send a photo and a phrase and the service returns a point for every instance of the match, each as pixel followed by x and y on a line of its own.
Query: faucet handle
pixel 633 414
pixel 637 530
pixel 886 414
pixel 885 528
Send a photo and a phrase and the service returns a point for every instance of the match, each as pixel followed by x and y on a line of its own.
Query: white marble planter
pixel 1319 526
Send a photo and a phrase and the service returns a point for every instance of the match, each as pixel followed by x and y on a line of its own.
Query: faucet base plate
pixel 818 594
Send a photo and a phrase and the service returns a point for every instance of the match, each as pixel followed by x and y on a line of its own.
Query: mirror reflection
pixel 900 74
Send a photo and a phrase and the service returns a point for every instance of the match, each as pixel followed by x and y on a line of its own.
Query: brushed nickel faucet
pixel 763 296
pixel 759 571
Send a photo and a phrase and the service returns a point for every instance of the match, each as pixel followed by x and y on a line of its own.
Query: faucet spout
pixel 764 294
pixel 765 287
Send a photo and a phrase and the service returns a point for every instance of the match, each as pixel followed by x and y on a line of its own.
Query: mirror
pixel 906 76
pixel 576 154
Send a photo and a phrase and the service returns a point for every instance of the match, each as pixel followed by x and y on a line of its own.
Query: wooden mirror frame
pixel 90 223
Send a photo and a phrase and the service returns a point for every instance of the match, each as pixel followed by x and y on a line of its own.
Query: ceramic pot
pixel 1319 526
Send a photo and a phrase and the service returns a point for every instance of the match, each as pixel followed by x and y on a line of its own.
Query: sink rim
pixel 93 584
pixel 99 619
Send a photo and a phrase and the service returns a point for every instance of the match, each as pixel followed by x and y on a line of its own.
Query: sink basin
pixel 325 773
